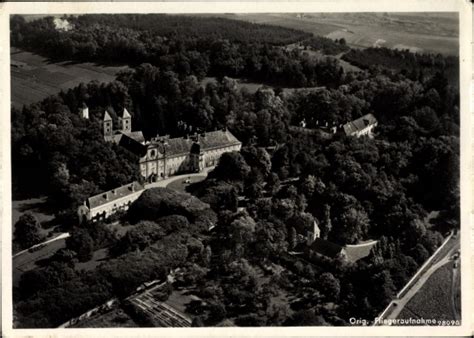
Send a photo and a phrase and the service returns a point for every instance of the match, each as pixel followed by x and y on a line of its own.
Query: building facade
pixel 166 156
pixel 163 156
pixel 103 205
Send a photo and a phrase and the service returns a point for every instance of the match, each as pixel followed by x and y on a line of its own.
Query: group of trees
pixel 153 247
pixel 56 152
pixel 258 199
pixel 416 66
pixel 183 45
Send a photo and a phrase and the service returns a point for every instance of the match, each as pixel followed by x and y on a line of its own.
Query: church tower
pixel 125 122
pixel 108 130
pixel 84 111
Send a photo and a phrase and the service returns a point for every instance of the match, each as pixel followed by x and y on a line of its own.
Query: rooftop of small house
pixel 326 248
pixel 359 124
pixel 114 194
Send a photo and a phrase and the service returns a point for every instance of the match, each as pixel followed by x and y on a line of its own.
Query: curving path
pixel 166 181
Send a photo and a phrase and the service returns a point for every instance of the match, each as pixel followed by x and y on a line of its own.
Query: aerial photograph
pixel 235 170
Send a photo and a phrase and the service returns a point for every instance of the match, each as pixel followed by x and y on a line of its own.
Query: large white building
pixel 163 156
pixel 103 205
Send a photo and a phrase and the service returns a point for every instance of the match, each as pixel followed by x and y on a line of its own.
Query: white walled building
pixel 107 203
pixel 362 126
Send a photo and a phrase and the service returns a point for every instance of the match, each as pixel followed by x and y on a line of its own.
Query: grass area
pixel 180 183
pixel 121 229
pixel 251 87
pixel 433 300
pixel 38 207
pixel 179 299
pixel 97 257
pixel 34 78
pixel 116 317
pixel 31 260
pixel 288 21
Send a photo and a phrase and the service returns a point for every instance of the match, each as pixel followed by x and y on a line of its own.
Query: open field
pixel 419 32
pixel 434 299
pixel 34 77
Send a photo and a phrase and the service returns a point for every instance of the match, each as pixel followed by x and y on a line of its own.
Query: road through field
pixel 402 302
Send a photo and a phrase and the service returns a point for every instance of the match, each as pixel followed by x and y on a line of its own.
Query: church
pixel 163 156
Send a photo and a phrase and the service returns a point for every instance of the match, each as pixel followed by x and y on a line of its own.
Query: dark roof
pixel 136 135
pixel 326 248
pixel 114 194
pixel 359 124
pixel 214 139
pixel 218 138
pixel 131 144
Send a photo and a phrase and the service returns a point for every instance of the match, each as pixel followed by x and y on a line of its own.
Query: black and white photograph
pixel 213 170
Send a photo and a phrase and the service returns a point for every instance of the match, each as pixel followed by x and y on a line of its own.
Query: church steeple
pixel 108 130
pixel 84 111
pixel 125 122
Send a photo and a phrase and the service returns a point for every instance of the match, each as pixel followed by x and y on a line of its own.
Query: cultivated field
pixel 419 32
pixel 34 77
pixel 434 300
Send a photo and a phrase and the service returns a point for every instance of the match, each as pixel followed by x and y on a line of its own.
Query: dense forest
pixel 355 188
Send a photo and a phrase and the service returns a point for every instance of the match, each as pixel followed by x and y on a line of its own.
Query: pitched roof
pixel 114 194
pixel 326 248
pixel 214 139
pixel 136 135
pixel 107 116
pixel 131 144
pixel 218 138
pixel 126 114
pixel 359 124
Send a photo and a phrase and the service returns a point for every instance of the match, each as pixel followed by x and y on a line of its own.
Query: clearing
pixel 40 209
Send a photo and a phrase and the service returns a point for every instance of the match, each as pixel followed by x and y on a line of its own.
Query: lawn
pixel 34 77
pixel 433 300
pixel 97 257
pixel 31 260
pixel 180 183
pixel 39 208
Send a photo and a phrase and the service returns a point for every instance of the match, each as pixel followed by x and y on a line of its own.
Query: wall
pixel 122 203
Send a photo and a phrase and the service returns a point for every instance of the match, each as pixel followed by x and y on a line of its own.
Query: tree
pixel 292 240
pixel 82 243
pixel 27 231
pixel 231 167
pixel 329 285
